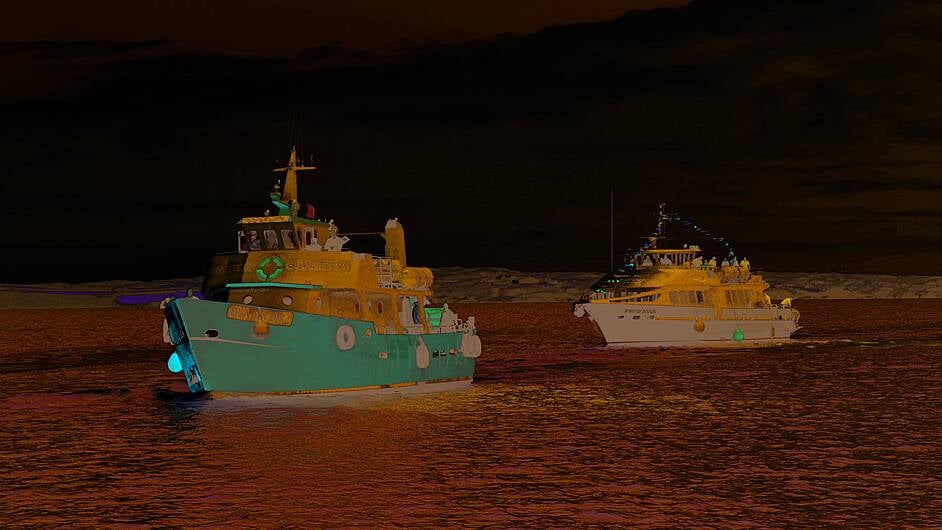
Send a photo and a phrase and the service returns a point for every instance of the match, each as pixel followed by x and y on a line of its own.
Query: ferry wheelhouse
pixel 666 295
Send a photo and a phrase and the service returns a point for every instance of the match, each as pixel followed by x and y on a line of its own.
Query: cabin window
pixel 737 298
pixel 254 243
pixel 287 237
pixel 243 242
pixel 379 307
pixel 700 297
pixel 271 239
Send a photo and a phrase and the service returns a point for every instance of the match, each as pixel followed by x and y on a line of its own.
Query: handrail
pixel 245 285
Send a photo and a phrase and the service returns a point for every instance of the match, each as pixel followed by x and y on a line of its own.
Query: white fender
pixel 422 355
pixel 471 346
pixel 346 338
pixel 166 332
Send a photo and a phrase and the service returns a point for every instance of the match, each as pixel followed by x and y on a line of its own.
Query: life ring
pixel 471 346
pixel 346 338
pixel 422 355
pixel 262 265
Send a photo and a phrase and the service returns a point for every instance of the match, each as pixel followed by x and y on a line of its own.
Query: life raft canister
pixel 470 346
pixel 346 338
pixel 262 265
pixel 422 355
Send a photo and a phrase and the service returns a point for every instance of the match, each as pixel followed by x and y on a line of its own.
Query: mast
pixel 289 192
pixel 611 230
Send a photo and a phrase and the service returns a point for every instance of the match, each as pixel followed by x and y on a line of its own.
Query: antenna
pixel 611 229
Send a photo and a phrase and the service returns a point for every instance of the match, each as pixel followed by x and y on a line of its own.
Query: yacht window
pixel 700 297
pixel 692 298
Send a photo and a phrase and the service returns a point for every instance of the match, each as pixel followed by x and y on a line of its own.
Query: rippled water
pixel 840 427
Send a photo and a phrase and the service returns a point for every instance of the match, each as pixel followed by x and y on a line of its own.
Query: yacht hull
pixel 653 324
pixel 218 350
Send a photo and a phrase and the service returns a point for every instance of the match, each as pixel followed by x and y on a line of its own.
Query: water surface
pixel 840 427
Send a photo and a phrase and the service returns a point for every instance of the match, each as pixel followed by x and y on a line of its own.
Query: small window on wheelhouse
pixel 271 240
pixel 254 244
pixel 243 242
pixel 287 238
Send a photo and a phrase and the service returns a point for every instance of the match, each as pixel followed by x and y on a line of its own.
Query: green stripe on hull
pixel 305 356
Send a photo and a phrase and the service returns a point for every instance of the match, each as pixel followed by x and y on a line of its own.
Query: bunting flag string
pixel 672 216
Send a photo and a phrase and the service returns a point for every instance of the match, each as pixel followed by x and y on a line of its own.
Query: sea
pixel 839 427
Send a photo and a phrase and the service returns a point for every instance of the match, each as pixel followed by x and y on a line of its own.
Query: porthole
pixel 247 299
pixel 287 300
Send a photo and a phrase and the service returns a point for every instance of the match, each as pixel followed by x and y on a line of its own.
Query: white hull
pixel 664 324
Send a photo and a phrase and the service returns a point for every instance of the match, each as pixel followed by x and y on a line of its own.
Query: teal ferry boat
pixel 294 311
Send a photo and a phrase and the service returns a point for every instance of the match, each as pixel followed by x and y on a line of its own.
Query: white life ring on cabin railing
pixel 422 356
pixel 471 346
pixel 346 337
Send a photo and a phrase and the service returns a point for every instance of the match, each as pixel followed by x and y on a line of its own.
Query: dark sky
pixel 807 135
pixel 286 26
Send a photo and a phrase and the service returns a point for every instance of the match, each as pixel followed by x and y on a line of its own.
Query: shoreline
pixel 478 285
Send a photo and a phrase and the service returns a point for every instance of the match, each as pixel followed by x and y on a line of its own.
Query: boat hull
pixel 221 351
pixel 652 324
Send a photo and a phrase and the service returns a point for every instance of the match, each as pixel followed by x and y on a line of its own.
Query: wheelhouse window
pixel 271 240
pixel 243 242
pixel 253 242
pixel 287 238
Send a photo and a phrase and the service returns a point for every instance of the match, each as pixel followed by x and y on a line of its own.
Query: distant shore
pixel 456 284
